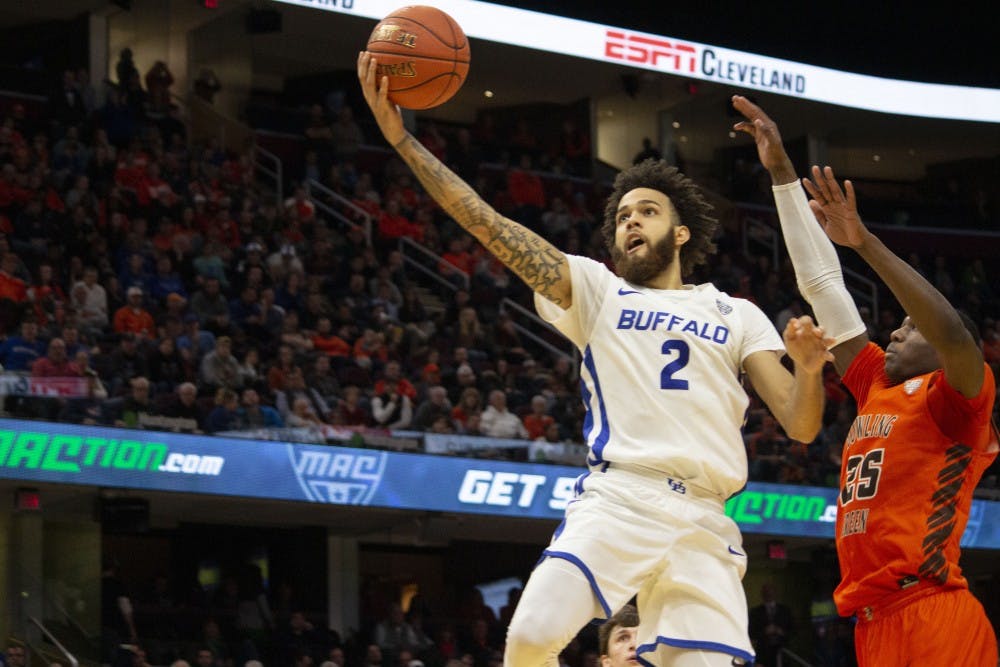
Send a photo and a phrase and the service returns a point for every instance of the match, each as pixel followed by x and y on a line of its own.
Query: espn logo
pixel 657 52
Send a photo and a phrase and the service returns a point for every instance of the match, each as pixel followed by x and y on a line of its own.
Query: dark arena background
pixel 252 375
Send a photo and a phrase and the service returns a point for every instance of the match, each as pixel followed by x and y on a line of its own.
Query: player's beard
pixel 642 270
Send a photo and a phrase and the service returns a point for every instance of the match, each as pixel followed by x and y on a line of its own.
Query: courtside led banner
pixel 671 55
pixel 157 461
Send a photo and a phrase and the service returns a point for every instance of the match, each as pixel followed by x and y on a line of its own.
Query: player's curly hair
pixel 692 210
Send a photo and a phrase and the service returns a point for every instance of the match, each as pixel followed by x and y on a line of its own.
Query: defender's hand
pixel 765 133
pixel 836 211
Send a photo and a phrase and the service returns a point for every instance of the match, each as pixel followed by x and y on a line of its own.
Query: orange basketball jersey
pixel 911 461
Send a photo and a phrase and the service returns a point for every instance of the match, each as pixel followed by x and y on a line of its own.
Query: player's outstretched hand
pixel 765 133
pixel 835 209
pixel 387 114
pixel 807 345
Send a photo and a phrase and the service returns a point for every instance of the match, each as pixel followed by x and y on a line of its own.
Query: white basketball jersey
pixel 661 373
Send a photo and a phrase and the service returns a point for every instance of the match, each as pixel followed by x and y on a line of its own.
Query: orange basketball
pixel 424 53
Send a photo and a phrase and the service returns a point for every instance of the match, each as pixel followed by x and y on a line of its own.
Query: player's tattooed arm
pixel 537 262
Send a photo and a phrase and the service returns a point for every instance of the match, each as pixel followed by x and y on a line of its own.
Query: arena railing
pixel 269 164
pixel 524 315
pixel 314 187
pixel 411 250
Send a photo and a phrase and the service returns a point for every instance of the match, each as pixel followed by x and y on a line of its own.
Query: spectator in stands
pixel 329 343
pixel 526 191
pixel 19 353
pixel 469 404
pixel 295 388
pixel 219 368
pixel 209 302
pixel 56 363
pixel 136 406
pixel 185 407
pixel 347 136
pixel 192 341
pixel 90 301
pixel 254 415
pixel 122 364
pixel 225 415
pixel 767 450
pixel 13 292
pixel 537 422
pixel 350 411
pixel 165 365
pixel 133 317
pixel 158 82
pixel 293 336
pixel 277 375
pixel 66 104
pixel 320 377
pixel 391 409
pixel 370 350
pixel 498 422
pixel 393 634
pixel 435 406
pixel 207 85
pixel 302 414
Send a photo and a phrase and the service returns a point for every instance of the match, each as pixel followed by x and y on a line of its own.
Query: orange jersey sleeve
pixel 910 463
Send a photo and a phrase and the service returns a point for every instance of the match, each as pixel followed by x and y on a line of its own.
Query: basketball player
pixel 920 443
pixel 661 379
pixel 616 638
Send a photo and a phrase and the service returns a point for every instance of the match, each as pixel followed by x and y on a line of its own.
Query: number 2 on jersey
pixel 667 379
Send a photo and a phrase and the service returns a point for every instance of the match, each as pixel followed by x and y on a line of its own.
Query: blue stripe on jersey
pixel 597 448
pixel 693 645
pixel 565 555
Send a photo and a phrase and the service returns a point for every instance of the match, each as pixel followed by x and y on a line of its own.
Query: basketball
pixel 424 53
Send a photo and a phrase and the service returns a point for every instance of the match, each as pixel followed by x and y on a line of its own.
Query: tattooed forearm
pixel 537 262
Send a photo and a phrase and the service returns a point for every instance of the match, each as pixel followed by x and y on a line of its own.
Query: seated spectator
pixel 470 403
pixel 208 303
pixel 19 353
pixel 137 406
pixel 295 388
pixel 302 414
pixel 327 342
pixel 498 422
pixel 350 411
pixel 194 342
pixel 434 406
pixel 321 378
pixel 166 281
pixel 391 409
pixel 185 407
pixel 766 450
pixel 133 317
pixel 90 301
pixel 393 381
pixel 254 415
pixel 56 363
pixel 122 364
pixel 249 369
pixel 219 368
pixel 292 335
pixel 167 368
pixel 225 415
pixel 13 292
pixel 277 375
pixel 538 420
pixel 393 634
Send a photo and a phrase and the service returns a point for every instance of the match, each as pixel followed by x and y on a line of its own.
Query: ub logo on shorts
pixel 341 478
pixel 676 486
